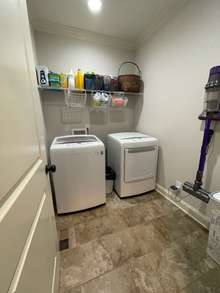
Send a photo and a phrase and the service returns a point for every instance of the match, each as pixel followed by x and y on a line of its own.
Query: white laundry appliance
pixel 79 180
pixel 133 157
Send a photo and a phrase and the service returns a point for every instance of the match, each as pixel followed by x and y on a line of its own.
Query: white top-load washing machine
pixel 133 157
pixel 79 180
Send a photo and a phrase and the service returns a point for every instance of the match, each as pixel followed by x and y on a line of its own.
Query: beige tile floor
pixel 136 245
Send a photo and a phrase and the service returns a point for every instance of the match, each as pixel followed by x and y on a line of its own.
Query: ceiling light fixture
pixel 95 5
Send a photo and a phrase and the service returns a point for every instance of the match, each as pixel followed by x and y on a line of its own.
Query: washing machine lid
pixel 75 139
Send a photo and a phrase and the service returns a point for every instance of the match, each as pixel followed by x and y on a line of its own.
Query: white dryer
pixel 79 180
pixel 133 157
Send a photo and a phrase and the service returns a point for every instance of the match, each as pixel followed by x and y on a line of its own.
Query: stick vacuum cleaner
pixel 210 113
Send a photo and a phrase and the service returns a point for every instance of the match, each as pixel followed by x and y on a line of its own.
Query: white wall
pixel 175 64
pixel 61 53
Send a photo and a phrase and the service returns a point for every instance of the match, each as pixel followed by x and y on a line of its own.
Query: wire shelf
pixel 75 99
pixel 60 89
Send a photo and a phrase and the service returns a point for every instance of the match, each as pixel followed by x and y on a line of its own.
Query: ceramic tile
pixel 139 214
pixel 121 246
pixel 170 267
pixel 114 202
pixel 148 238
pixel 132 242
pixel 165 207
pixel 174 271
pixel 100 226
pixel 63 234
pixel 70 290
pixel 147 210
pixel 143 198
pixel 194 244
pixel 208 283
pixel 164 272
pixel 197 288
pixel 117 281
pixel 144 275
pixel 175 225
pixel 66 221
pixel 84 263
pixel 193 250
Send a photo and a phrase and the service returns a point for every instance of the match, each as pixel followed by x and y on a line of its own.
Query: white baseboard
pixel 185 207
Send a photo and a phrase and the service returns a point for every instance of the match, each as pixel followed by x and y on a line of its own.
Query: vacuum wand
pixel 196 188
pixel 204 150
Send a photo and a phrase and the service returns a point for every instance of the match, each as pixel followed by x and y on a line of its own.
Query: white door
pixel 140 163
pixel 28 241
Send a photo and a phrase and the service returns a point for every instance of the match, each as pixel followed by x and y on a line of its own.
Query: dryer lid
pixel 134 139
pixel 128 135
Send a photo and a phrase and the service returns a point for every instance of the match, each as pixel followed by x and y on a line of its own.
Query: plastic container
pixel 100 100
pixel 99 82
pixel 118 101
pixel 64 80
pixel 79 80
pixel 107 82
pixel 114 84
pixel 110 178
pixel 54 79
pixel 71 80
pixel 213 248
pixel 89 81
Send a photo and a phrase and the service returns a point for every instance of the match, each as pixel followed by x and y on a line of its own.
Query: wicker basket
pixel 130 82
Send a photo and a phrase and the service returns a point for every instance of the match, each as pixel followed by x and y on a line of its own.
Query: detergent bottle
pixel 79 79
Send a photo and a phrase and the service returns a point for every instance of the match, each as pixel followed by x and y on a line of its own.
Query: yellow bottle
pixel 79 79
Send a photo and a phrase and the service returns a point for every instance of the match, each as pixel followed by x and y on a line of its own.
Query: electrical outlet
pixel 179 184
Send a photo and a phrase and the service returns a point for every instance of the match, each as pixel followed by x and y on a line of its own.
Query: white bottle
pixel 71 80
